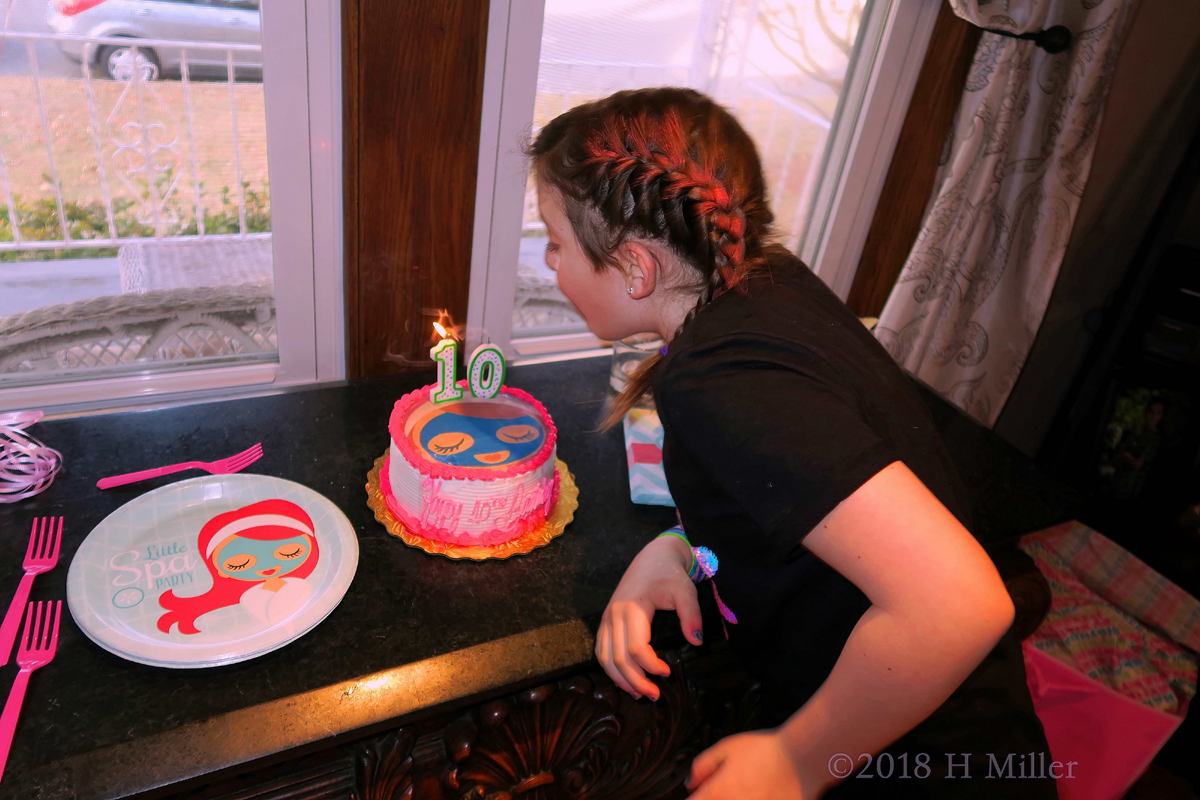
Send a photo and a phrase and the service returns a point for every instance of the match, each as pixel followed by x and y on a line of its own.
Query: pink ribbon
pixel 27 467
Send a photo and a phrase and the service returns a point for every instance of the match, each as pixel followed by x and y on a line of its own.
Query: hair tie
pixel 27 467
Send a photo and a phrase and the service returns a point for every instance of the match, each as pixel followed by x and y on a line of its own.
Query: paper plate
pixel 212 571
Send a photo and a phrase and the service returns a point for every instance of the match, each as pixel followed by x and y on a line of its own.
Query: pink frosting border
pixel 492 537
pixel 437 469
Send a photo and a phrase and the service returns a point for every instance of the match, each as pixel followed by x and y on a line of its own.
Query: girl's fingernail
pixel 699 636
pixel 636 696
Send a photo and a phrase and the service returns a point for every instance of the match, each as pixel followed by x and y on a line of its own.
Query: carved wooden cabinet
pixel 577 737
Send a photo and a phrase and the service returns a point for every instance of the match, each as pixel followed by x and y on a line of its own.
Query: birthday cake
pixel 470 470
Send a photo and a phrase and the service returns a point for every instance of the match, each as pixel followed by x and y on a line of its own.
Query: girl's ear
pixel 642 270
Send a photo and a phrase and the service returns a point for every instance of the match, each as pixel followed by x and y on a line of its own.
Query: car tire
pixel 117 62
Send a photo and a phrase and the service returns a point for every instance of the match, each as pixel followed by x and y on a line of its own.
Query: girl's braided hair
pixel 668 165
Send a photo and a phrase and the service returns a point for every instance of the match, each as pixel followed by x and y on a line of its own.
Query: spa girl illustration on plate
pixel 259 557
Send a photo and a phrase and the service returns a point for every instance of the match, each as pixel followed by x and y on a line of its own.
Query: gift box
pixel 1100 741
pixel 643 448
pixel 1112 669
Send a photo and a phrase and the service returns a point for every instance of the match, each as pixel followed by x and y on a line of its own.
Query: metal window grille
pixel 144 154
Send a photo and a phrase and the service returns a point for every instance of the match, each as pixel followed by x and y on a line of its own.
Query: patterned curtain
pixel 972 293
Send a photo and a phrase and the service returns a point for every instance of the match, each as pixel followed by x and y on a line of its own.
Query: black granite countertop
pixel 95 725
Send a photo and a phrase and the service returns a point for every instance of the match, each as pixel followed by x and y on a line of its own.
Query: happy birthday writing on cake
pixel 506 512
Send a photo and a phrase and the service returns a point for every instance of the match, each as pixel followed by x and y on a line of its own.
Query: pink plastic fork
pixel 41 556
pixel 226 466
pixel 38 643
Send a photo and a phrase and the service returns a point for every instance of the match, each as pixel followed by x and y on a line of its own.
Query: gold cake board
pixel 560 517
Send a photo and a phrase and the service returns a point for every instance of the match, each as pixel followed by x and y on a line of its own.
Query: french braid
pixel 668 165
pixel 650 161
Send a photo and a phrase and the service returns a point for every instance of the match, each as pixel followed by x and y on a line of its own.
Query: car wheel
pixel 118 62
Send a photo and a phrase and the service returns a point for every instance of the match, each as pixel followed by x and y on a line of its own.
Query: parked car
pixel 233 21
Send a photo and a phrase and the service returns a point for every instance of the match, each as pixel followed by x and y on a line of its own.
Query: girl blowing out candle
pixel 801 457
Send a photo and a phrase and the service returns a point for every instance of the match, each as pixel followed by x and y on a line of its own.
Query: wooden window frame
pixel 412 87
pixel 910 177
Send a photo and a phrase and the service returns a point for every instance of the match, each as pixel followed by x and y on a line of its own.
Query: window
pixel 169 209
pixel 821 85
pixel 246 5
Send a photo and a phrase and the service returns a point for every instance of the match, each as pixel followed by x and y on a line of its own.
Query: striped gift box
pixel 643 447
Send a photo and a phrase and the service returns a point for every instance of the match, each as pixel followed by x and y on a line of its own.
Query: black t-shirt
pixel 776 405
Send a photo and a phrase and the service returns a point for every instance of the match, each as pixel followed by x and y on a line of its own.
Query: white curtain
pixel 972 293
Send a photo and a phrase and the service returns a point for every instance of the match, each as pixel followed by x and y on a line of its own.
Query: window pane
pixel 158 164
pixel 246 5
pixel 779 65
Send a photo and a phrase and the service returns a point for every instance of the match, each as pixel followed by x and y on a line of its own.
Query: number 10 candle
pixel 485 371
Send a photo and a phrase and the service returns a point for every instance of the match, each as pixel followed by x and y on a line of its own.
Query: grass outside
pixel 73 142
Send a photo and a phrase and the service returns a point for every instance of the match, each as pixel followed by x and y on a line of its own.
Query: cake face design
pixel 473 435
pixel 473 471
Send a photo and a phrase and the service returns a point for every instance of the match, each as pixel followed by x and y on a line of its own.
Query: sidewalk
pixel 26 285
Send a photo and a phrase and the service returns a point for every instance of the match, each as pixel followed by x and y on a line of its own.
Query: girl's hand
pixel 656 579
pixel 748 766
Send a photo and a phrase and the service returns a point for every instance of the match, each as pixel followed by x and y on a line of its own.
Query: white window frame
pixel 514 49
pixel 858 156
pixel 833 242
pixel 301 48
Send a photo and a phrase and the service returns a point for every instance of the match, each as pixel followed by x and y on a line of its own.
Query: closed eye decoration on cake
pixel 449 443
pixel 517 434
pixel 475 435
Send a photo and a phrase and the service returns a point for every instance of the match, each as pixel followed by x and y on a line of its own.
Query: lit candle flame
pixel 441 331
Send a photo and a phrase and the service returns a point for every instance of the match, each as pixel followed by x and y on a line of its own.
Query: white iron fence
pixel 139 145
